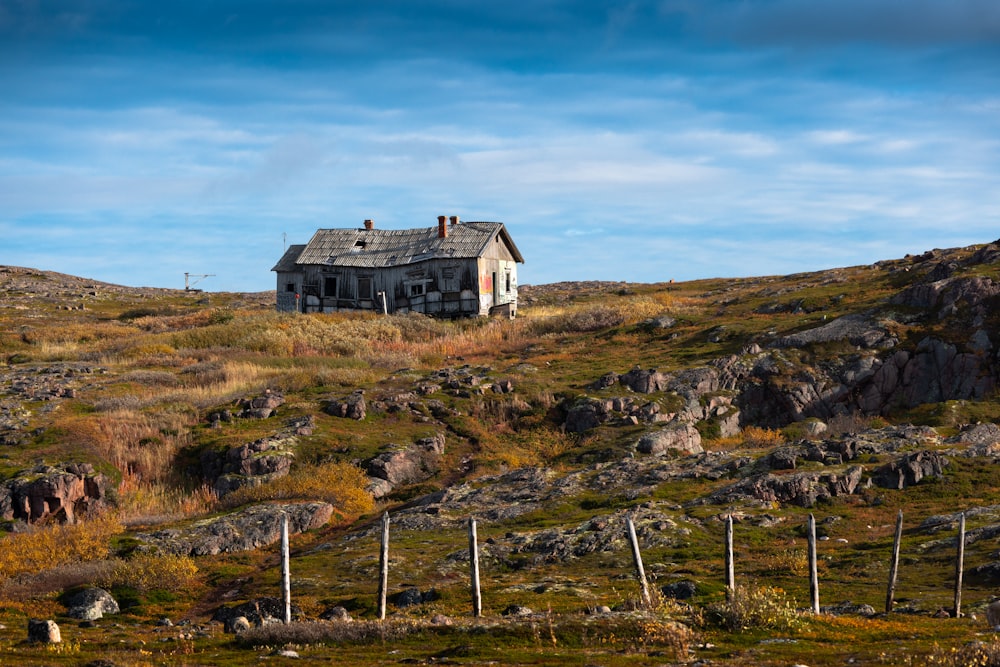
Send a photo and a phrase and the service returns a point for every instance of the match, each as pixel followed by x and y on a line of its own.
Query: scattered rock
pixel 261 407
pixel 516 610
pixel 259 611
pixel 353 407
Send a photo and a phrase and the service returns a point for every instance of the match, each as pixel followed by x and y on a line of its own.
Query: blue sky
pixel 640 141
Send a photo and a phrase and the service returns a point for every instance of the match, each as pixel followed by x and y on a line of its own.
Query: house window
pixel 330 286
pixel 416 289
pixel 364 288
pixel 508 282
pixel 289 287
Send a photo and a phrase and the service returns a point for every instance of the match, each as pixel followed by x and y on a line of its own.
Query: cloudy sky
pixel 640 141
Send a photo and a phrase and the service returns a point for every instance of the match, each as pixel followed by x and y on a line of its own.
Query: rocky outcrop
pixel 858 329
pixel 251 464
pixel 979 439
pixel 909 470
pixel 405 465
pixel 802 489
pixel 257 462
pixel 945 296
pixel 250 528
pixel 54 493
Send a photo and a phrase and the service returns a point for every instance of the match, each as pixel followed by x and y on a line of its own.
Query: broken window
pixel 330 286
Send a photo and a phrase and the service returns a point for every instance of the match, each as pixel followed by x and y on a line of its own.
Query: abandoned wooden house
pixel 451 270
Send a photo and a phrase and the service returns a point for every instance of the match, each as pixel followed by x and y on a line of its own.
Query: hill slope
pixel 164 434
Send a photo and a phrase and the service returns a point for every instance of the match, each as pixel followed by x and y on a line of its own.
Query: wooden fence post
pixel 286 577
pixel 894 563
pixel 730 568
pixel 477 602
pixel 960 566
pixel 637 557
pixel 383 567
pixel 813 575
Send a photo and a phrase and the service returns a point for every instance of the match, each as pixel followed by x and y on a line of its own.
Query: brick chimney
pixel 442 226
pixel 369 224
pixel 454 219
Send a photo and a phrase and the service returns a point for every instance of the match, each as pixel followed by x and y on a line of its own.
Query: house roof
pixel 287 261
pixel 376 248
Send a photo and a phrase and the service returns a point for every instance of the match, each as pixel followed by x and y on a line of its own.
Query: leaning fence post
pixel 813 576
pixel 477 602
pixel 286 577
pixel 383 567
pixel 960 566
pixel 637 557
pixel 730 569
pixel 894 563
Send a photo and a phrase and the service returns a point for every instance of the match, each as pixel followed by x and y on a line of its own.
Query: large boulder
pixel 406 465
pixel 45 632
pixel 674 438
pixel 90 604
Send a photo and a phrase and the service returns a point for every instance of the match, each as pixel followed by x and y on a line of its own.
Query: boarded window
pixel 330 286
pixel 364 288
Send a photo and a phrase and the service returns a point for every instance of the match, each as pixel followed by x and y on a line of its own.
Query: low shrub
pixel 146 572
pixel 44 547
pixel 754 608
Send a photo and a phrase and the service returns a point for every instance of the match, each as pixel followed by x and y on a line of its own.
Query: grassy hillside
pixel 152 389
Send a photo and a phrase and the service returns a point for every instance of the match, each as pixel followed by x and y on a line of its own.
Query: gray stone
pixel 237 625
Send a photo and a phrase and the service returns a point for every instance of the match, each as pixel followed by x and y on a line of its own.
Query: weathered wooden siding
pixel 434 287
